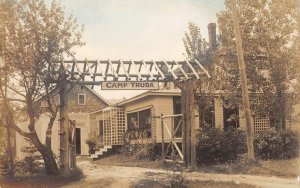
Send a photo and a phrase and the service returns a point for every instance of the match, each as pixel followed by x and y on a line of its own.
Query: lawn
pixel 190 184
pixel 281 168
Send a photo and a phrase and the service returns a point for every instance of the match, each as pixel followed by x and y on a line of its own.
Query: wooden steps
pixel 101 152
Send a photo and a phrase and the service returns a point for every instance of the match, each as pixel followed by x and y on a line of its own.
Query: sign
pixel 130 85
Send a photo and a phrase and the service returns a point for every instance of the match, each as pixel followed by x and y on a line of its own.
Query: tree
pixel 268 32
pixel 196 47
pixel 34 36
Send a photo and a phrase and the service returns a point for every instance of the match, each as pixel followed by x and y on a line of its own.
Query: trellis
pixel 113 126
pixel 94 72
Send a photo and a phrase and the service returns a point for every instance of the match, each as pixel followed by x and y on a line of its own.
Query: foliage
pixel 4 168
pixel 218 146
pixel 149 151
pixel 35 35
pixel 274 144
pixel 136 134
pixel 270 52
pixel 195 46
pixel 92 143
pixel 31 161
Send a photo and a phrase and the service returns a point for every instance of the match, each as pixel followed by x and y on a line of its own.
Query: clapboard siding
pixel 159 105
pixel 163 105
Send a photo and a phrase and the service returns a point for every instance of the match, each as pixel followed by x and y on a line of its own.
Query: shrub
pixel 92 143
pixel 4 165
pixel 272 144
pixel 218 146
pixel 150 151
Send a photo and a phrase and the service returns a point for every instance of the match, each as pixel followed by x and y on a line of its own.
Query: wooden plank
pixel 95 71
pixel 124 69
pixel 193 123
pixel 170 70
pixel 183 110
pixel 64 127
pixel 202 68
pixel 194 71
pixel 162 137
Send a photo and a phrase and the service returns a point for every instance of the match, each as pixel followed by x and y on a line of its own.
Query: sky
pixel 138 29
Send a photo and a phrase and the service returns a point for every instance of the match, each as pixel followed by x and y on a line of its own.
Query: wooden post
pixel 162 137
pixel 183 125
pixel 192 120
pixel 187 123
pixel 64 126
pixel 246 103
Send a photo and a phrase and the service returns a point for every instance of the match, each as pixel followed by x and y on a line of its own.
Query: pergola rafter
pixel 93 72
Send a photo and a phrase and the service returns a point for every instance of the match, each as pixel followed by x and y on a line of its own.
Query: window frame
pixel 84 99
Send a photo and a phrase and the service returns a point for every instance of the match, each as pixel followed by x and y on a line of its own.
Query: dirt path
pixel 119 176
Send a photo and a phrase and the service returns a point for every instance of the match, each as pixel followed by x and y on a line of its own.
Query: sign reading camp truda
pixel 132 85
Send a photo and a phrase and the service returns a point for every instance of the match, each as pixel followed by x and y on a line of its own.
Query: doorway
pixel 78 141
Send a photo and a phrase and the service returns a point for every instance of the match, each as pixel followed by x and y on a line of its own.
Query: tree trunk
pixel 47 154
pixel 49 160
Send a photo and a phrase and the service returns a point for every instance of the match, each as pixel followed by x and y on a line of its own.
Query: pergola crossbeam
pixel 108 70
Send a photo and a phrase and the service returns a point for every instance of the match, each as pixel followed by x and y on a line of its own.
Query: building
pixel 81 101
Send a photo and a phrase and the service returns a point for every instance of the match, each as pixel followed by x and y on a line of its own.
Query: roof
pixel 103 109
pixel 97 95
pixel 170 92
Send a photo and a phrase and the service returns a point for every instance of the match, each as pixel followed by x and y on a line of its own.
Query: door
pixel 78 141
pixel 101 130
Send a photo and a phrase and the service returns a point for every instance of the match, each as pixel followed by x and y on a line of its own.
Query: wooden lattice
pixel 261 123
pixel 288 116
pixel 114 126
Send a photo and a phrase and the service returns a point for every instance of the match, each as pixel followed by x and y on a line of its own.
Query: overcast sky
pixel 138 29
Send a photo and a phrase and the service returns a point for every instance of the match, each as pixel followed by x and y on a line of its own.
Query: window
pixel 139 120
pixel 81 99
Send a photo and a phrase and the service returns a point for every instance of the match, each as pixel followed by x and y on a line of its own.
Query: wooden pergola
pixel 87 72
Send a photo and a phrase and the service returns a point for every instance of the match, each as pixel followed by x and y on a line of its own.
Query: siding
pixel 163 105
pixel 160 105
pixel 142 103
pixel 93 103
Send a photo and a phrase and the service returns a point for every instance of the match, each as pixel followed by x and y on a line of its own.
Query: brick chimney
pixel 212 36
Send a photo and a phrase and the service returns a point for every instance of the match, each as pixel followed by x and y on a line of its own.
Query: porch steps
pixel 101 152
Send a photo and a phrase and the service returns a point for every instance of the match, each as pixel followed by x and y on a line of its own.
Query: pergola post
pixel 64 126
pixel 188 124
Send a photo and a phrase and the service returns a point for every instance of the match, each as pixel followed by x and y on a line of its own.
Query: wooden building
pixel 81 101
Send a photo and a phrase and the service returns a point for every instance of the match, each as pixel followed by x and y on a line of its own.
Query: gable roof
pixel 170 92
pixel 97 95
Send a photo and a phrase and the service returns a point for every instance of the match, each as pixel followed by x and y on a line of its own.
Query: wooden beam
pixel 162 137
pixel 64 126
pixel 192 120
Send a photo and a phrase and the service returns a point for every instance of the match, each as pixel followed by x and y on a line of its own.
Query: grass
pixel 129 161
pixel 281 168
pixel 40 181
pixel 189 184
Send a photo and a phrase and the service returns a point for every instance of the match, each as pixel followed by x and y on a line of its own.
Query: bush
pixel 92 143
pixel 218 146
pixel 272 144
pixel 150 151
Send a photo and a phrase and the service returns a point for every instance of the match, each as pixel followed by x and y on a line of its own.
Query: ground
pixel 119 171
